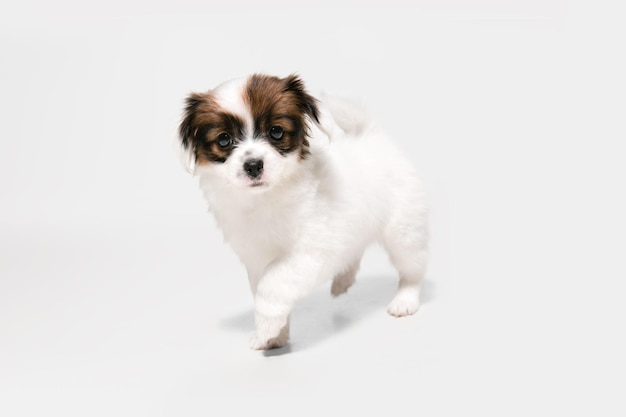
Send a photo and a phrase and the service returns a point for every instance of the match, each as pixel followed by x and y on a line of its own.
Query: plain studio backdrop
pixel 119 298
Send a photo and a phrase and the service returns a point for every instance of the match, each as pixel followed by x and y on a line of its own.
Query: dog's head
pixel 250 133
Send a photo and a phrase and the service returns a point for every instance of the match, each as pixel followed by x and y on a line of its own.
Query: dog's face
pixel 250 133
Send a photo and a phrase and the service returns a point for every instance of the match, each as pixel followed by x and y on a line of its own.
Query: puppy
pixel 300 188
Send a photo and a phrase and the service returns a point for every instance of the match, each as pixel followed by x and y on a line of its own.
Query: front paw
pixel 262 343
pixel 269 334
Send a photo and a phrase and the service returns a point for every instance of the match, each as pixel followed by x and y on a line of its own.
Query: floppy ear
pixel 306 102
pixel 188 127
pixel 188 130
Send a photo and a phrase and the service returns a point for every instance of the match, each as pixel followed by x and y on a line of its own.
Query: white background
pixel 118 298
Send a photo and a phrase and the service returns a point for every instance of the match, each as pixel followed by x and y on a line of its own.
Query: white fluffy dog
pixel 300 188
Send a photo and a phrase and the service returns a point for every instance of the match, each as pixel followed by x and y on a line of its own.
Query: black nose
pixel 254 167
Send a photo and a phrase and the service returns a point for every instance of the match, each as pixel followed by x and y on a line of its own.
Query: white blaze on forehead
pixel 229 96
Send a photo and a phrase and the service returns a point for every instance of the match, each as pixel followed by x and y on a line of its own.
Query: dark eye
pixel 276 132
pixel 224 140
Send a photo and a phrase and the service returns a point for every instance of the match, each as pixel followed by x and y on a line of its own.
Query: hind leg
pixel 407 246
pixel 344 280
pixel 406 301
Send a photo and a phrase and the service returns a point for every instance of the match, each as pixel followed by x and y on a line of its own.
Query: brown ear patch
pixel 284 103
pixel 203 122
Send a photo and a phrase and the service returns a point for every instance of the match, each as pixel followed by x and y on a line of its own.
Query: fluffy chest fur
pixel 261 229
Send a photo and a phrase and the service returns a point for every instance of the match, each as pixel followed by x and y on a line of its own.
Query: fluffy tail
pixel 340 116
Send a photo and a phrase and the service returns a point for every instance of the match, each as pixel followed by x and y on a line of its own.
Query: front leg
pixel 284 282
